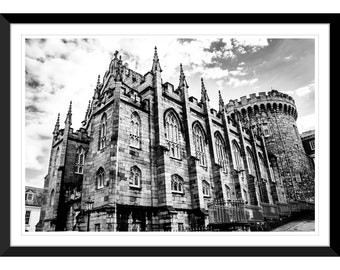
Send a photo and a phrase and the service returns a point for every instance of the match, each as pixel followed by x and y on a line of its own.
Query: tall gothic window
pixel 55 161
pixel 135 177
pixel 177 183
pixel 251 163
pixel 199 142
pixel 80 157
pixel 228 192
pixel 135 130
pixel 221 156
pixel 263 167
pixel 102 132
pixel 52 198
pixel 245 194
pixel 237 156
pixel 172 134
pixel 205 188
pixel 100 178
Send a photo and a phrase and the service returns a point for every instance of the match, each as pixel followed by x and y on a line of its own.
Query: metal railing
pixel 221 212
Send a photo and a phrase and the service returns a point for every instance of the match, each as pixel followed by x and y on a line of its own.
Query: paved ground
pixel 302 225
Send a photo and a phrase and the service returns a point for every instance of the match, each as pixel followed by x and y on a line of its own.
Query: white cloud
pixel 249 44
pixel 304 90
pixel 306 122
pixel 214 73
pixel 234 82
pixel 301 91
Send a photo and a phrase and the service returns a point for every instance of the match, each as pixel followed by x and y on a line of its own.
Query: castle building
pixel 150 158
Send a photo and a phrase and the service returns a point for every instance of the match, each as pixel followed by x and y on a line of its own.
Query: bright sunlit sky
pixel 61 70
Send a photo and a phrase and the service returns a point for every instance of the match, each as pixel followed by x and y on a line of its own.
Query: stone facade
pixel 308 142
pixel 150 158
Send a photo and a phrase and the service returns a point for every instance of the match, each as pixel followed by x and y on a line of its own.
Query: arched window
pixel 52 198
pixel 102 132
pixel 263 167
pixel 221 156
pixel 228 192
pixel 55 161
pixel 251 162
pixel 135 128
pixel 176 183
pixel 135 177
pixel 100 178
pixel 245 194
pixel 172 134
pixel 199 142
pixel 237 156
pixel 80 157
pixel 205 188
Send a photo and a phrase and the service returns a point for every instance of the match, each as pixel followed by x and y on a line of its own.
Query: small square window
pixel 97 227
pixel 312 144
pixel 29 196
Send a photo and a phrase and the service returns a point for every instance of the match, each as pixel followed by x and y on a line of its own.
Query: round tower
pixel 273 116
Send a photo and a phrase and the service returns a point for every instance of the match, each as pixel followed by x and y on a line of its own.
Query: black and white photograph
pixel 181 134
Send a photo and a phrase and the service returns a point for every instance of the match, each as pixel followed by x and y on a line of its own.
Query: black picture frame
pixel 5 227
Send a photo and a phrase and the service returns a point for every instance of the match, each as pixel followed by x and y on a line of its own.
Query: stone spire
pixel 182 80
pixel 68 120
pixel 204 94
pixel 87 111
pixel 98 81
pixel 96 89
pixel 155 65
pixel 57 125
pixel 220 101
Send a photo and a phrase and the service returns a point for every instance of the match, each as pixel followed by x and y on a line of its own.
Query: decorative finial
pixel 88 109
pixel 182 80
pixel 220 96
pixel 68 119
pixel 204 95
pixel 98 80
pixel 220 101
pixel 115 54
pixel 70 107
pixel 57 125
pixel 155 65
pixel 155 56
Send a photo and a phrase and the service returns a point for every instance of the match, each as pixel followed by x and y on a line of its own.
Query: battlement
pixel 195 102
pixel 273 95
pixel 272 101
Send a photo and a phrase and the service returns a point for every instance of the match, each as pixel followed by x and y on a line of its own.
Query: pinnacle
pixel 98 80
pixel 70 108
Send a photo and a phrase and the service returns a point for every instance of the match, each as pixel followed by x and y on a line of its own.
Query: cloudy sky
pixel 60 70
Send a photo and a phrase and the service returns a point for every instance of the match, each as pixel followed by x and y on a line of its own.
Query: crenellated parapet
pixel 273 101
